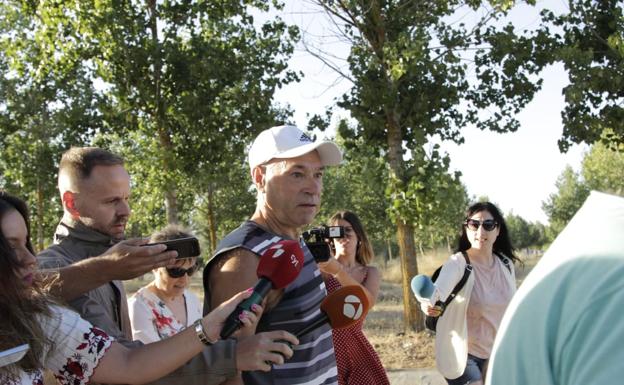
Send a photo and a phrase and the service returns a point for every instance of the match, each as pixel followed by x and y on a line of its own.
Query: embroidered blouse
pixel 77 349
pixel 152 320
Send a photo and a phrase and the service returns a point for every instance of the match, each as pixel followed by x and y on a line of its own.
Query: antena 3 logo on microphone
pixel 345 306
pixel 352 307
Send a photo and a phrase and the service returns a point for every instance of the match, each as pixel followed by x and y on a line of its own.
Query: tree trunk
pixel 411 314
pixel 171 205
pixel 405 231
pixel 171 195
pixel 40 216
pixel 212 223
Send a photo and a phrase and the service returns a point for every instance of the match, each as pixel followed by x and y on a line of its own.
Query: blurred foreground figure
pixel 564 325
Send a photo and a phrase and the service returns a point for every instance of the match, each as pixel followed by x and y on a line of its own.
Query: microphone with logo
pixel 279 265
pixel 341 309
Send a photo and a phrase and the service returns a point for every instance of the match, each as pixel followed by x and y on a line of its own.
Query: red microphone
pixel 279 265
pixel 341 309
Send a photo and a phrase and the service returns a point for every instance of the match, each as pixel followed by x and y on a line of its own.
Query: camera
pixel 317 240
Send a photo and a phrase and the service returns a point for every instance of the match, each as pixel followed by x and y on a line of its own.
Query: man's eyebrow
pixel 300 166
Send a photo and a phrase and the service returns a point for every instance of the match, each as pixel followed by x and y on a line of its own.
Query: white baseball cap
pixel 290 142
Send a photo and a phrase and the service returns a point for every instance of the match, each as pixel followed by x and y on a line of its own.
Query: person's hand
pixel 260 351
pixel 434 311
pixel 130 259
pixel 250 329
pixel 213 321
pixel 331 266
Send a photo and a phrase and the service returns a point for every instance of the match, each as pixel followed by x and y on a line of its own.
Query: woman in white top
pixel 165 306
pixel 466 330
pixel 74 350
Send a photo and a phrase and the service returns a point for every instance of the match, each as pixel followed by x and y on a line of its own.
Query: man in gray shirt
pixel 95 188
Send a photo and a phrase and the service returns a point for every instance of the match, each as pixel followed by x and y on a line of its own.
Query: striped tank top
pixel 313 362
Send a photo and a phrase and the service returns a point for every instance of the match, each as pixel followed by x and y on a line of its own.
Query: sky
pixel 517 171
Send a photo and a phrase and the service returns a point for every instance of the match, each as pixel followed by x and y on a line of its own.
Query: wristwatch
pixel 199 329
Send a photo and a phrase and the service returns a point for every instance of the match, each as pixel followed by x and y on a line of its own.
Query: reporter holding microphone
pixel 76 351
pixel 358 363
pixel 466 330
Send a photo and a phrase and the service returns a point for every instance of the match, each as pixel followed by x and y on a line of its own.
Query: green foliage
pixel 178 88
pixel 43 111
pixel 525 234
pixel 561 206
pixel 588 40
pixel 603 169
pixel 358 185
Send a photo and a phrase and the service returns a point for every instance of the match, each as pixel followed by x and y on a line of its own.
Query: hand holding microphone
pixel 279 265
pixel 424 289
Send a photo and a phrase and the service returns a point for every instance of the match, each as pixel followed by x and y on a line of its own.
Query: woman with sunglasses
pixel 466 330
pixel 165 306
pixel 74 350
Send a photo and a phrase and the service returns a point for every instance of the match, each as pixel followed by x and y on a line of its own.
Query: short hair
pixel 169 233
pixel 77 163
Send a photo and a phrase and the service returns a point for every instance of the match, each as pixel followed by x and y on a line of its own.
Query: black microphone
pixel 279 265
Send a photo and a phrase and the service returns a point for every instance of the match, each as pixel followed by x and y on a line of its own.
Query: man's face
pixel 293 190
pixel 102 202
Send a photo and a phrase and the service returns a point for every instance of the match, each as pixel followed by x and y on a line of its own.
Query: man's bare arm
pixel 235 272
pixel 126 260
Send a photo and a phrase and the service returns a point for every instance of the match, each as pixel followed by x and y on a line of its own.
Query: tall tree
pixel 200 78
pixel 359 185
pixel 588 39
pixel 197 77
pixel 603 168
pixel 410 83
pixel 47 103
pixel 561 206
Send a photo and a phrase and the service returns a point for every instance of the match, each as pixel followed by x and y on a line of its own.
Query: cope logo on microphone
pixel 352 307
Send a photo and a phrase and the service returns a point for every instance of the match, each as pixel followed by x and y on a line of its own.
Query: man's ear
pixel 258 176
pixel 69 203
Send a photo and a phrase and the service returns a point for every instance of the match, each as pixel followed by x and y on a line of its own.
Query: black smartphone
pixel 186 247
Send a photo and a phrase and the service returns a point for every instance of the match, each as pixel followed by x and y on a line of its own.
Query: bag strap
pixel 506 261
pixel 460 284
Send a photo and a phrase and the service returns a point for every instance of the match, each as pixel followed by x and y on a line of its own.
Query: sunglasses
pixel 177 272
pixel 488 224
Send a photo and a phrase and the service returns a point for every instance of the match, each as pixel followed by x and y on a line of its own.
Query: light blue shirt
pixel 565 326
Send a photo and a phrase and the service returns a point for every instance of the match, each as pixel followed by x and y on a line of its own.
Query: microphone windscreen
pixel 345 306
pixel 422 286
pixel 281 263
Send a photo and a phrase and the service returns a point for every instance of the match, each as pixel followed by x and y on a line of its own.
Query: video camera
pixel 317 240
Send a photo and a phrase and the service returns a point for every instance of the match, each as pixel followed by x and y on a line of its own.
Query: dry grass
pixel 384 324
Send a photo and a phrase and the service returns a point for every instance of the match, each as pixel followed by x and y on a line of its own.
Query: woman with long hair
pixel 358 363
pixel 76 351
pixel 466 330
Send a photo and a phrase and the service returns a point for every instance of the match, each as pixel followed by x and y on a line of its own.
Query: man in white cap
pixel 287 170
